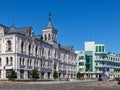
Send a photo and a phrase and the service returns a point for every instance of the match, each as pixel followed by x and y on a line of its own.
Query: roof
pixel 68 47
pixel 49 25
pixel 19 30
pixel 6 29
pixel 12 29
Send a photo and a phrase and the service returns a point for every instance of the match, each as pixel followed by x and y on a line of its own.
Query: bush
pixel 79 75
pixel 55 74
pixel 35 74
pixel 12 75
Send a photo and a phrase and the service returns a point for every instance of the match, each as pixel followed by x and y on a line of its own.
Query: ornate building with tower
pixel 22 51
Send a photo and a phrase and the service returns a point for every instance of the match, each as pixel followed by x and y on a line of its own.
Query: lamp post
pixel 58 70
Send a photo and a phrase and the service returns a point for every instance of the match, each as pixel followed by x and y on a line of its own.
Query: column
pixel 3 74
pixel 18 74
pixel 25 74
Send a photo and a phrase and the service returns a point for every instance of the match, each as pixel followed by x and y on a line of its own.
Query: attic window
pixel 29 32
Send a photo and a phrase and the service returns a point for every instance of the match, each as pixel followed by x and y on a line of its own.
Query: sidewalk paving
pixel 57 82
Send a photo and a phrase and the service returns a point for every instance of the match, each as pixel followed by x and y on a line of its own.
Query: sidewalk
pixel 57 82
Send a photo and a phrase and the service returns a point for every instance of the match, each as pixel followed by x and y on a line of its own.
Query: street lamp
pixel 58 70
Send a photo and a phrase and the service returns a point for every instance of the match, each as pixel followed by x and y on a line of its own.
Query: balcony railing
pixel 107 60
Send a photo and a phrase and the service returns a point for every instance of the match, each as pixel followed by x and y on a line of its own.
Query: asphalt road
pixel 91 85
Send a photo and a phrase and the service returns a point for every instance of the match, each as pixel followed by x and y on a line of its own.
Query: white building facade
pixel 22 51
pixel 97 61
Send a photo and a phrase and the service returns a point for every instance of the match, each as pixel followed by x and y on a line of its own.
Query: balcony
pixel 107 66
pixel 106 60
pixel 29 67
pixel 100 53
pixel 22 66
pixel 81 67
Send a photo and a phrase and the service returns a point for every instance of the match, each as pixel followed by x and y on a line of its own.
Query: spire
pixel 49 25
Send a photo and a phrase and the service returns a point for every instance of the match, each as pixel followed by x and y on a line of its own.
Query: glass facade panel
pixel 81 57
pixel 103 49
pixel 100 49
pixel 97 49
pixel 89 60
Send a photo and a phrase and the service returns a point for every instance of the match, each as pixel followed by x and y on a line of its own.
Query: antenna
pixel 49 15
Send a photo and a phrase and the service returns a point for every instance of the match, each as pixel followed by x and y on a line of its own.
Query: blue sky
pixel 77 21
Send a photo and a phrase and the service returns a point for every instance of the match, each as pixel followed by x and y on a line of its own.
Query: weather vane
pixel 50 15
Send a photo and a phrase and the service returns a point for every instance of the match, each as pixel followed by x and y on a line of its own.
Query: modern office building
pixel 97 61
pixel 22 51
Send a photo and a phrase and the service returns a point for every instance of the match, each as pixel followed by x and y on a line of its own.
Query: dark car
pixel 118 81
pixel 118 78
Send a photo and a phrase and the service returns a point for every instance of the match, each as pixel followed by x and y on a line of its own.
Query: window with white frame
pixel 9 45
pixel 11 61
pixel 7 61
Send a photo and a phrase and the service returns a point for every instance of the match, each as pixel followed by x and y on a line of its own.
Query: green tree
pixel 35 74
pixel 79 75
pixel 12 75
pixel 55 74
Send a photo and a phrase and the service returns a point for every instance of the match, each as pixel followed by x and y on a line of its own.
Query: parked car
pixel 118 78
pixel 118 81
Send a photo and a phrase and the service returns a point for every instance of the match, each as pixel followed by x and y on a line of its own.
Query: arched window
pixel 29 32
pixel 30 62
pixel 27 62
pixel 20 61
pixel 23 62
pixel 49 37
pixel 58 55
pixel 42 52
pixel 22 44
pixel 48 53
pixel 37 63
pixel 64 57
pixel 7 61
pixel 55 54
pixel 0 61
pixel 11 61
pixel 9 45
pixel 29 48
pixel 45 37
pixel 36 50
pixel 34 63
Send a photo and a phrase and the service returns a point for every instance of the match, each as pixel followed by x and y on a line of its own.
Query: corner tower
pixel 50 33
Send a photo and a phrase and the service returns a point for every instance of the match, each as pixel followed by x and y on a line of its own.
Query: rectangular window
pixel 81 63
pixel 81 57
